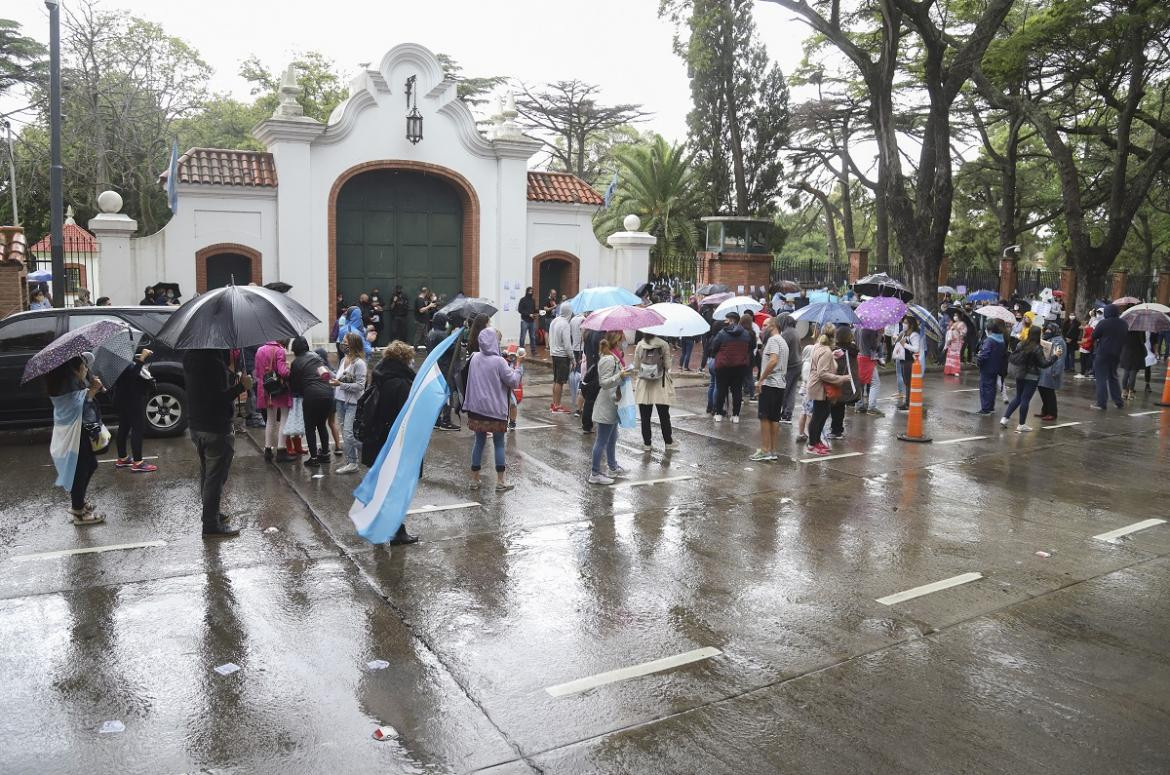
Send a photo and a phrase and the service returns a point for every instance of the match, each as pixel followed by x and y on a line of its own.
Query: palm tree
pixel 656 182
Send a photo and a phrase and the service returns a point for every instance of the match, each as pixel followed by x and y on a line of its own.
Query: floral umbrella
pixel 64 348
pixel 997 312
pixel 880 312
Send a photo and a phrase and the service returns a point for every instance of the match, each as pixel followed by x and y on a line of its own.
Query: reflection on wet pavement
pixel 991 602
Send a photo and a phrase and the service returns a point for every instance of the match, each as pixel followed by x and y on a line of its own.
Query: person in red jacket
pixel 732 350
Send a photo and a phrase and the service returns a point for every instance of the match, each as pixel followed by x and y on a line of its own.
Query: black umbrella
pixel 465 307
pixel 278 286
pixel 1023 304
pixel 645 289
pixel 881 284
pixel 709 290
pixel 164 287
pixel 235 316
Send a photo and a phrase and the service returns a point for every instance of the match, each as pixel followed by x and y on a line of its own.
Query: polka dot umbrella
pixel 64 348
pixel 880 312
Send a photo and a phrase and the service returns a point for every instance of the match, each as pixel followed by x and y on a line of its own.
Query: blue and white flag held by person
pixel 382 499
pixel 66 437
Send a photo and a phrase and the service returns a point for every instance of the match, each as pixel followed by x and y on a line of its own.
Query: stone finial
pixel 109 202
pixel 69 216
pixel 290 90
pixel 632 222
pixel 506 127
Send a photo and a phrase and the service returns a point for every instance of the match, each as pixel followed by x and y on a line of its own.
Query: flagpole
pixel 56 193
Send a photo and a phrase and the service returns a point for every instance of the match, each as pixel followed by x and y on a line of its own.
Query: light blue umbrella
pixel 822 297
pixel 831 312
pixel 40 276
pixel 592 299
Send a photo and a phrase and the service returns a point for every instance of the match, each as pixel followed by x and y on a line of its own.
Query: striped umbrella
pixel 929 323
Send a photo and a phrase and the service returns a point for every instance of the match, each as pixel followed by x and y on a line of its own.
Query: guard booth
pixel 737 253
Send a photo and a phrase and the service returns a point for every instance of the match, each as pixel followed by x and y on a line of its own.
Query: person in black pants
pixel 212 390
pixel 589 389
pixel 130 403
pixel 64 383
pixel 306 382
pixel 731 349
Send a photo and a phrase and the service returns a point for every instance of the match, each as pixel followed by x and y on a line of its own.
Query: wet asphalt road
pixel 1051 664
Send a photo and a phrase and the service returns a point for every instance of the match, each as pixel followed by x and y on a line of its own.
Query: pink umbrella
pixel 880 312
pixel 622 317
pixel 1125 301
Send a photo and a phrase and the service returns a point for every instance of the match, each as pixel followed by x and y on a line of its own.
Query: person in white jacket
pixel 560 347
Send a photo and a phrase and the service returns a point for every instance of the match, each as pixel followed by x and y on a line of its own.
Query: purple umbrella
pixel 1147 320
pixel 881 312
pixel 715 299
pixel 68 346
pixel 623 317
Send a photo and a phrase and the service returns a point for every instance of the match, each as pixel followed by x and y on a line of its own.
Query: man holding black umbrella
pixel 211 397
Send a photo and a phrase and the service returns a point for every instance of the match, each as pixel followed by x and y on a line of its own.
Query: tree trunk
pixel 736 139
pixel 1091 278
pixel 881 217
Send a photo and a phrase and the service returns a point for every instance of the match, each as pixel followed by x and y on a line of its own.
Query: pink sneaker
pixel 123 462
pixel 818 449
pixel 142 467
pixel 561 410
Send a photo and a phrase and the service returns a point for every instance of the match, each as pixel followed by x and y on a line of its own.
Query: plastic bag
pixel 627 409
pixel 295 424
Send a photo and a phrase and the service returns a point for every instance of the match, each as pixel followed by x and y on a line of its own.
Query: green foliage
pixel 738 123
pixel 223 122
pixel 22 59
pixel 323 87
pixel 657 182
pixel 473 91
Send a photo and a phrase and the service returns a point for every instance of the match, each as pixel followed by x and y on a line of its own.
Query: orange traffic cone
pixel 1165 389
pixel 914 421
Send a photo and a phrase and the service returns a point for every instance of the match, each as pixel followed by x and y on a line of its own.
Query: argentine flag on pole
pixel 173 178
pixel 381 500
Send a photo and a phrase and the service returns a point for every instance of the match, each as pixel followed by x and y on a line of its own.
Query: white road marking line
pixel 534 427
pixel 428 508
pixel 1113 535
pixel 87 550
pixel 1143 414
pixel 965 438
pixel 549 471
pixel 634 671
pixel 926 589
pixel 641 482
pixel 966 390
pixel 1062 425
pixel 828 457
pixel 111 460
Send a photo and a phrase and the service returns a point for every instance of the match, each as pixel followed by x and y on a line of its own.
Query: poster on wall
pixel 739 290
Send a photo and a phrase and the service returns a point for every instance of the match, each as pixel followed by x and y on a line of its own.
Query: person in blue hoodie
pixel 353 322
pixel 990 360
pixel 1109 337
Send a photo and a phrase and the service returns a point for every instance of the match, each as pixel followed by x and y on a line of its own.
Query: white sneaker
pixel 647 448
pixel 1005 399
pixel 619 471
pixel 1003 421
pixel 718 418
pixel 1023 428
pixel 599 479
pixel 735 419
pixel 348 468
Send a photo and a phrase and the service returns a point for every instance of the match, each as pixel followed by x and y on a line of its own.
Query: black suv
pixel 24 334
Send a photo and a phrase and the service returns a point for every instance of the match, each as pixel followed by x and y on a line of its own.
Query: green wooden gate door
pixel 398 228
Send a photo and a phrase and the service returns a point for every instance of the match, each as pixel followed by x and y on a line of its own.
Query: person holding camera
pixel 425 305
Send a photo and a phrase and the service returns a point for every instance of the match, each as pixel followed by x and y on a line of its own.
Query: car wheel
pixel 166 411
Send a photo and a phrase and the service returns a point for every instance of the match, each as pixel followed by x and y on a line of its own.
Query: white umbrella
pixel 737 304
pixel 997 312
pixel 1148 305
pixel 680 321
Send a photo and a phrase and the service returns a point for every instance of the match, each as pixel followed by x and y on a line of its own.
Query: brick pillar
pixel 1164 287
pixel 944 270
pixel 1118 289
pixel 1007 278
pixel 1068 284
pixel 858 264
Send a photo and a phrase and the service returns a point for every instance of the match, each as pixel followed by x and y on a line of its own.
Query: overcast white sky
pixel 621 45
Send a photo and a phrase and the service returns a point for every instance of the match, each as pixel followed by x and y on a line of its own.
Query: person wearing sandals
pixel 130 404
pixel 70 388
pixel 393 376
pixel 348 385
pixel 490 382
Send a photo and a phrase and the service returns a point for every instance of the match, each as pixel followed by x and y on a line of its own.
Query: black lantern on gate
pixel 414 119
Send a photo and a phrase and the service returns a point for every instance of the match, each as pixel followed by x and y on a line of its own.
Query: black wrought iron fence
pixel 1141 286
pixel 685 267
pixel 972 280
pixel 810 273
pixel 81 268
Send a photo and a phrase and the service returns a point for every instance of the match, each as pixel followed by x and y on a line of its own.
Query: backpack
pixel 1017 363
pixel 589 387
pixel 365 426
pixel 651 367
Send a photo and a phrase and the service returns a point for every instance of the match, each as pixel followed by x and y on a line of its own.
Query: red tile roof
pixel 77 240
pixel 561 187
pixel 225 167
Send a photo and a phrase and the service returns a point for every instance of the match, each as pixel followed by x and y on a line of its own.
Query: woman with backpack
pixel 1025 365
pixel 490 382
pixel 274 397
pixel 654 386
pixel 309 380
